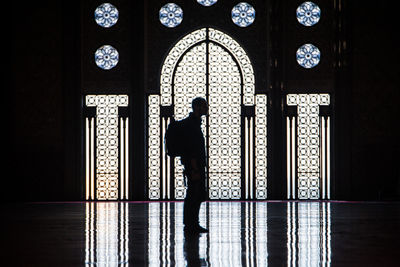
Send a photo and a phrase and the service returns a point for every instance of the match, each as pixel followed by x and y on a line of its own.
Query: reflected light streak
pixel 308 234
pixel 237 235
pixel 106 234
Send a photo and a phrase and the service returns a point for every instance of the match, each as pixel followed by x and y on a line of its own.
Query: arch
pixel 210 34
pixel 211 64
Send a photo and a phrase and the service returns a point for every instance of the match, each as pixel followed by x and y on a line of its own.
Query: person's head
pixel 199 106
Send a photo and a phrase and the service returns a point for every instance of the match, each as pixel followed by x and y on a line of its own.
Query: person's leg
pixel 188 211
pixel 189 205
pixel 195 194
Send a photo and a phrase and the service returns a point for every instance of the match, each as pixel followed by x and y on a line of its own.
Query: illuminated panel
pixel 224 129
pixel 189 82
pixel 308 142
pixel 172 59
pixel 107 151
pixel 261 147
pixel 243 60
pixel 154 146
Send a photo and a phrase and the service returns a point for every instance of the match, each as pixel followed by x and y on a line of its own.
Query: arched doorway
pixel 210 64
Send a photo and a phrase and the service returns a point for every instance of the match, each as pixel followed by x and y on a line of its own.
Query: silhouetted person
pixel 194 161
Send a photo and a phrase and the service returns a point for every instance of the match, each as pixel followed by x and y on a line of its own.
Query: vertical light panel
pixel 168 163
pixel 323 157
pixel 308 142
pixel 288 159
pixel 251 161
pixel 246 157
pixel 163 161
pixel 293 156
pixel 92 162
pixel 261 147
pixel 126 149
pixel 107 148
pixel 328 159
pixel 122 158
pixel 89 158
pixel 154 163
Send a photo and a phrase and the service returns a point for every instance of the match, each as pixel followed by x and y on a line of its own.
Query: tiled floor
pixel 272 233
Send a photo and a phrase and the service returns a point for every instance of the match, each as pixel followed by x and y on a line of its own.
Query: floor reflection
pixel 238 234
pixel 309 234
pixel 107 228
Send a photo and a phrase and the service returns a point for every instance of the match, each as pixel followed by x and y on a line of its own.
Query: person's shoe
pixel 200 229
pixel 194 229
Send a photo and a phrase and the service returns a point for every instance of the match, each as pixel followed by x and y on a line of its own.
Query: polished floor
pixel 272 233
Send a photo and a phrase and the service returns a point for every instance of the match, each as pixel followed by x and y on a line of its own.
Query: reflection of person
pixel 194 161
pixel 191 251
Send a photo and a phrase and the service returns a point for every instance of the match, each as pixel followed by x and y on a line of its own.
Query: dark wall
pixel 37 104
pixel 375 80
pixel 44 103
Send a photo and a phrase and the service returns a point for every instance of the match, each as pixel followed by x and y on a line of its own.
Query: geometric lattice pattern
pixel 261 147
pixel 243 61
pixel 229 83
pixel 189 82
pixel 154 146
pixel 308 142
pixel 171 61
pixel 224 129
pixel 107 143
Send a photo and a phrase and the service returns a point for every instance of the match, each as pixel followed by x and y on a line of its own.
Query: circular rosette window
pixel 106 15
pixel 308 14
pixel 206 2
pixel 308 56
pixel 106 57
pixel 171 15
pixel 243 14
